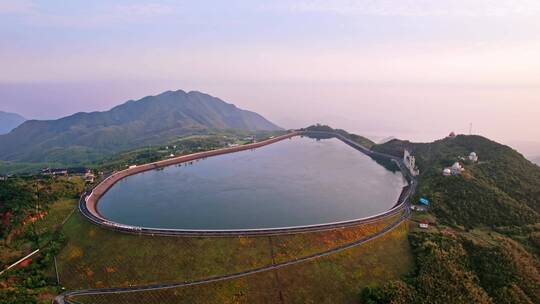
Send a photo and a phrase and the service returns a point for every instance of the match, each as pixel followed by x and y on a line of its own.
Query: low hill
pixel 8 121
pixel 483 241
pixel 84 137
pixel 354 137
pixel 502 189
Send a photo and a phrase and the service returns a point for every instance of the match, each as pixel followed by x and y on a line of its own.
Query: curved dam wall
pixel 88 203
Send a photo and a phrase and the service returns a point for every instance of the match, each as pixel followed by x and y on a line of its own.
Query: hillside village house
pixel 54 172
pixel 89 177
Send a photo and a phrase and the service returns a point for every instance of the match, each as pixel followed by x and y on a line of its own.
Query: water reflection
pixel 300 181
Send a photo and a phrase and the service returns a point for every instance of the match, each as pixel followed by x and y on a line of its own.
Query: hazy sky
pixel 409 68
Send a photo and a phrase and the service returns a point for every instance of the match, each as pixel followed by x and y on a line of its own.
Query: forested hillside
pixel 484 241
pixel 86 137
pixel 32 209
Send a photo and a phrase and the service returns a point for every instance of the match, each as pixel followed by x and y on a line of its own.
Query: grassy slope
pixel 96 257
pixel 332 279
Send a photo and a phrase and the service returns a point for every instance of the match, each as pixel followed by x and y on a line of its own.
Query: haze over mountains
pixel 150 120
pixel 8 121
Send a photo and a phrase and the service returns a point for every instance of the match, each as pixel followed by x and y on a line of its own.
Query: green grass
pixel 95 257
pixel 333 279
pixel 58 212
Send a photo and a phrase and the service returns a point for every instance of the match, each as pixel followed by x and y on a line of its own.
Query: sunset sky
pixel 416 69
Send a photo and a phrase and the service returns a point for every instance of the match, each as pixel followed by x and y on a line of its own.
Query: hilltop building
pixel 473 157
pixel 452 135
pixel 456 169
pixel 410 163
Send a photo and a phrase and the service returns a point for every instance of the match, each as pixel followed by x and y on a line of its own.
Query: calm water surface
pixel 294 182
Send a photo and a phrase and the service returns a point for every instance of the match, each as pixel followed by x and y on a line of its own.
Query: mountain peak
pixel 9 121
pixel 149 120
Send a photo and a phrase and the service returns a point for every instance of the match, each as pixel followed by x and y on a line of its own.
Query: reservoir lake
pixel 294 182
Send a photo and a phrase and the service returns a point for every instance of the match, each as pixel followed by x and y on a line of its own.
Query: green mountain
pixel 85 137
pixel 503 188
pixel 483 243
pixel 8 121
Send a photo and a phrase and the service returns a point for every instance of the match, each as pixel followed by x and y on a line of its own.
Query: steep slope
pixel 153 119
pixel 8 121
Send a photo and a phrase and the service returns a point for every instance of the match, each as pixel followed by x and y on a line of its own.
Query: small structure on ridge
pixel 473 157
pixel 423 201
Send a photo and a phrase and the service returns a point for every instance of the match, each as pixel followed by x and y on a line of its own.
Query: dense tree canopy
pixel 485 246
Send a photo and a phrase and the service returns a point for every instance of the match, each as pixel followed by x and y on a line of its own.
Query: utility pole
pixel 470 128
pixel 56 270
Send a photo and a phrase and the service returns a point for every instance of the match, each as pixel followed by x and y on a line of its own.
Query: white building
pixel 457 168
pixel 89 177
pixel 410 163
pixel 473 157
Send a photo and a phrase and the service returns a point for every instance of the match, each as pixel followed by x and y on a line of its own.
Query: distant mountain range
pixel 150 120
pixel 8 121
